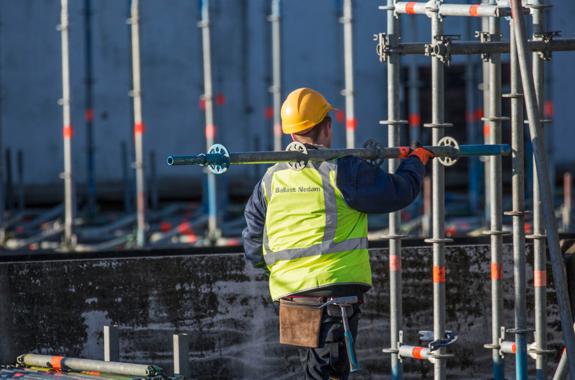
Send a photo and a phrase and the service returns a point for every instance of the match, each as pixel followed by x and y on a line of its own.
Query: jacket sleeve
pixel 255 215
pixel 369 189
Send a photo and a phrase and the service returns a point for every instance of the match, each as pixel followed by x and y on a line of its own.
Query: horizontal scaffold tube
pixel 415 352
pixel 493 47
pixel 61 363
pixel 270 157
pixel 470 10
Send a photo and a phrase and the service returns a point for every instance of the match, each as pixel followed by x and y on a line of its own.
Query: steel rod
pixel 414 86
pixel 88 109
pixel 485 126
pixel 416 352
pixel 438 196
pixel 497 47
pixel 393 140
pixel 561 372
pixel 469 10
pixel 75 364
pixel 275 19
pixel 348 92
pixel 518 213
pixel 567 201
pixel 138 125
pixel 495 194
pixel 111 344
pixel 67 131
pixel 249 158
pixel 3 199
pixel 210 127
pixel 181 347
pixel 540 259
pixel 544 185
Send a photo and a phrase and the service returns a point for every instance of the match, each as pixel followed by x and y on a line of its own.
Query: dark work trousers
pixel 329 360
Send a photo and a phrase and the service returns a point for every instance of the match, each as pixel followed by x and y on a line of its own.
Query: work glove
pixel 373 144
pixel 420 152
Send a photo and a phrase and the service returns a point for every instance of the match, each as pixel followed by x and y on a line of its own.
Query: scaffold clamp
pixel 382 46
pixel 434 345
pixel 296 146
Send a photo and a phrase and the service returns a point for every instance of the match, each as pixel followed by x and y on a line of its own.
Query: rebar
pixel 138 126
pixel 518 214
pixel 393 140
pixel 544 186
pixel 275 19
pixel 88 109
pixel 67 131
pixel 438 196
pixel 348 92
pixel 495 193
pixel 210 127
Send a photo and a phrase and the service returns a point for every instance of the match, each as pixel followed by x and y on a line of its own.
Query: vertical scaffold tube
pixel 567 201
pixel 67 131
pixel 275 19
pixel 495 193
pixel 539 257
pixel 438 197
pixel 486 129
pixel 474 175
pixel 414 108
pixel 393 110
pixel 544 185
pixel 88 109
pixel 518 214
pixel 2 177
pixel 138 125
pixel 210 127
pixel 348 92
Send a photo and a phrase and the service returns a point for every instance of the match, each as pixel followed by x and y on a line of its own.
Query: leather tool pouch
pixel 299 324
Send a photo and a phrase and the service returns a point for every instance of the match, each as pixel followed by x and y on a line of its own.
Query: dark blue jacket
pixel 365 187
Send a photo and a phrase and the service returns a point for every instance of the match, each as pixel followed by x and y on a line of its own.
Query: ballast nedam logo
pixel 299 189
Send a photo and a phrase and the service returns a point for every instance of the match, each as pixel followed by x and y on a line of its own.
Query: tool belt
pixel 300 319
pixel 300 323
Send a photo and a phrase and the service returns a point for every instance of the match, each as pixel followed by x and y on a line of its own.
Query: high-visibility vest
pixel 312 238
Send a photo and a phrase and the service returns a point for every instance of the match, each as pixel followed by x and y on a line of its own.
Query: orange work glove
pixel 423 154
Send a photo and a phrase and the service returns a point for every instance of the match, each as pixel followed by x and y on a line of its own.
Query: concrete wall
pixel 60 307
pixel 172 78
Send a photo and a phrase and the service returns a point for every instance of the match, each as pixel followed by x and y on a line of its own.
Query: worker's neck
pixel 308 141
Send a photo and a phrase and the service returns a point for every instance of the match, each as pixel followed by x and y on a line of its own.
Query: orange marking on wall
pixel 269 112
pixel 415 119
pixel 89 115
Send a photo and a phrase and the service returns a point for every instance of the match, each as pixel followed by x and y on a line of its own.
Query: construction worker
pixel 308 229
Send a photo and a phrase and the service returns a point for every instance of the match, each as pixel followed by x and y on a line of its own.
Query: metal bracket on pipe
pixel 296 146
pixel 448 141
pixel 547 38
pixel 435 344
pixel 485 37
pixel 219 168
pixel 382 46
pixel 441 47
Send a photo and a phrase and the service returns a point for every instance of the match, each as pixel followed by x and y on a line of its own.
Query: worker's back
pixel 312 239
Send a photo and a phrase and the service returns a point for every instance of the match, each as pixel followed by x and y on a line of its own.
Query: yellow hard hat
pixel 303 109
